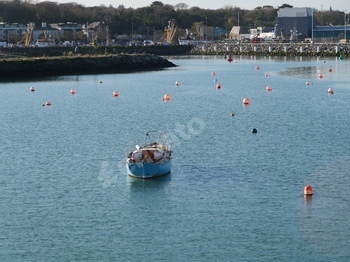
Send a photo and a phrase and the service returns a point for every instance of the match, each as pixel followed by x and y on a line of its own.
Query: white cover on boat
pixel 157 155
pixel 137 155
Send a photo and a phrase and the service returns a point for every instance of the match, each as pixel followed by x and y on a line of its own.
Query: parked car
pixel 147 42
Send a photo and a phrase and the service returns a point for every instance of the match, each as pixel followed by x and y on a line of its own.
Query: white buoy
pixel 246 101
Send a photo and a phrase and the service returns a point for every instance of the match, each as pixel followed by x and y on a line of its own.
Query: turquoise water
pixel 232 195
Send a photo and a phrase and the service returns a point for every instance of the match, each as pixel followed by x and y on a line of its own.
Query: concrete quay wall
pixel 272 49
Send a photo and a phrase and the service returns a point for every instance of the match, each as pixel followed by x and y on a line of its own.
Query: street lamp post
pixel 312 26
pixel 345 25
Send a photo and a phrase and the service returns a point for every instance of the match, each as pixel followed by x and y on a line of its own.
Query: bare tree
pixel 181 6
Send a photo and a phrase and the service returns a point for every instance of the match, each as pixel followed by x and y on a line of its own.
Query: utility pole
pixel 132 33
pixel 206 29
pixel 239 30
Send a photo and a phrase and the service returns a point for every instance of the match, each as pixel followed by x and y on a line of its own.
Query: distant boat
pixel 151 159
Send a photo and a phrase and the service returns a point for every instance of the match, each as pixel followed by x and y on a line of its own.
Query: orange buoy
pixel 308 190
pixel 72 91
pixel 115 94
pixel 246 101
pixel 218 86
pixel 177 83
pixel 48 103
pixel 330 91
pixel 213 73
pixel 166 97
pixel 330 70
pixel 32 89
pixel 320 76
pixel 268 88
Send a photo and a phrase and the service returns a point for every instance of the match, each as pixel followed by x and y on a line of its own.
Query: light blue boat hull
pixel 148 170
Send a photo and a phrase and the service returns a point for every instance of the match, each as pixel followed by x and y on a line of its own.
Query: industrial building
pixel 294 23
pixel 337 33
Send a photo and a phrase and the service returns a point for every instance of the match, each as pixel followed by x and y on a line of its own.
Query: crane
pixel 170 31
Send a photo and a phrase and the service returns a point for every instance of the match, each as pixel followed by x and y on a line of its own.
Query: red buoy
pixel 115 94
pixel 166 97
pixel 218 86
pixel 72 91
pixel 308 190
pixel 268 88
pixel 48 103
pixel 229 59
pixel 330 70
pixel 246 101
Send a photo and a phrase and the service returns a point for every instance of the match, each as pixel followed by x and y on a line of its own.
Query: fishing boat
pixel 152 158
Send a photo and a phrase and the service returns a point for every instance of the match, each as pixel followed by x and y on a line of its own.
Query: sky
pixel 340 5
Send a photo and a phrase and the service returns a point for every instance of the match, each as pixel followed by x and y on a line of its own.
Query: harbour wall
pixel 90 50
pixel 272 49
pixel 72 65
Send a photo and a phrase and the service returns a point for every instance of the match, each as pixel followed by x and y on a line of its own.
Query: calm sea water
pixel 232 195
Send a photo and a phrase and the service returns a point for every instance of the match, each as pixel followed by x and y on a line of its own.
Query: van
pixel 147 42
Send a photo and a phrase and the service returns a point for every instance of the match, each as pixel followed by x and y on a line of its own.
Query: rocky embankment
pixel 73 65
pixel 273 49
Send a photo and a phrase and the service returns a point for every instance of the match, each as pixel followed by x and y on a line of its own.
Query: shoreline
pixel 26 65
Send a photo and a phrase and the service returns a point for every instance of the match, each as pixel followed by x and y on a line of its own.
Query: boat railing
pixel 161 138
